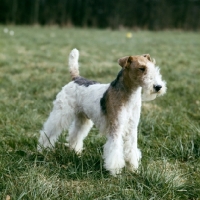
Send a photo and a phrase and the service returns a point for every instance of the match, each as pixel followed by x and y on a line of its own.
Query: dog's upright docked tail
pixel 73 63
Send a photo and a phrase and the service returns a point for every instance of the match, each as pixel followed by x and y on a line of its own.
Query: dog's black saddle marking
pixel 103 102
pixel 115 85
pixel 83 81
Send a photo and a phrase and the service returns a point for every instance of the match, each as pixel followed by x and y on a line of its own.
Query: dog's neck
pixel 119 93
pixel 124 83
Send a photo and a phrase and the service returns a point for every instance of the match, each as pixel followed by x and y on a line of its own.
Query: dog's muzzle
pixel 157 87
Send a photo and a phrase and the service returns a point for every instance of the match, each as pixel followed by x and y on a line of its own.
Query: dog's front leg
pixel 131 152
pixel 113 153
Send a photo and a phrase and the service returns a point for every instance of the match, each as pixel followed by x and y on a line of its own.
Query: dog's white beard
pixel 148 97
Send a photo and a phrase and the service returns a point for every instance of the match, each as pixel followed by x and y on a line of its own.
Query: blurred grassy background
pixel 33 68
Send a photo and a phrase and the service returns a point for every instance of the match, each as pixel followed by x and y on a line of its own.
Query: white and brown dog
pixel 114 108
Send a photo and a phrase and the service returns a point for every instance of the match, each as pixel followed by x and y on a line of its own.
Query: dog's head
pixel 141 71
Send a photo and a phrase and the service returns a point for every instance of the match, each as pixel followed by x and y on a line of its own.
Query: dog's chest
pixel 133 106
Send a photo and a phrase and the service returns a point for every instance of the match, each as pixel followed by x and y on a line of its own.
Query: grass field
pixel 33 68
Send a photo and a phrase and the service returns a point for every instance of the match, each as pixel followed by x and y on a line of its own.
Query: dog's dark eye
pixel 142 69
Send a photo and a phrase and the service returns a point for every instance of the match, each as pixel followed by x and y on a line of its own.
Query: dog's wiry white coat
pixel 77 107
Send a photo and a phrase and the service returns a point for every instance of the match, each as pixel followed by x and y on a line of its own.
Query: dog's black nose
pixel 157 87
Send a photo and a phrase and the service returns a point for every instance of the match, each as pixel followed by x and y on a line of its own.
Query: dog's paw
pixel 115 172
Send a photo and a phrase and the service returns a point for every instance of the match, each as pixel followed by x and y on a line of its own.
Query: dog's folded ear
pixel 149 58
pixel 125 61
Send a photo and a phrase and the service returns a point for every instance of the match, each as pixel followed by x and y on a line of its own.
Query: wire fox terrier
pixel 114 108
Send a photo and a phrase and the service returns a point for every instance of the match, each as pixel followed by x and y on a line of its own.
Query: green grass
pixel 33 68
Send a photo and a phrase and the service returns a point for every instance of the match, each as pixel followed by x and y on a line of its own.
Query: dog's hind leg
pixel 78 131
pixel 59 119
